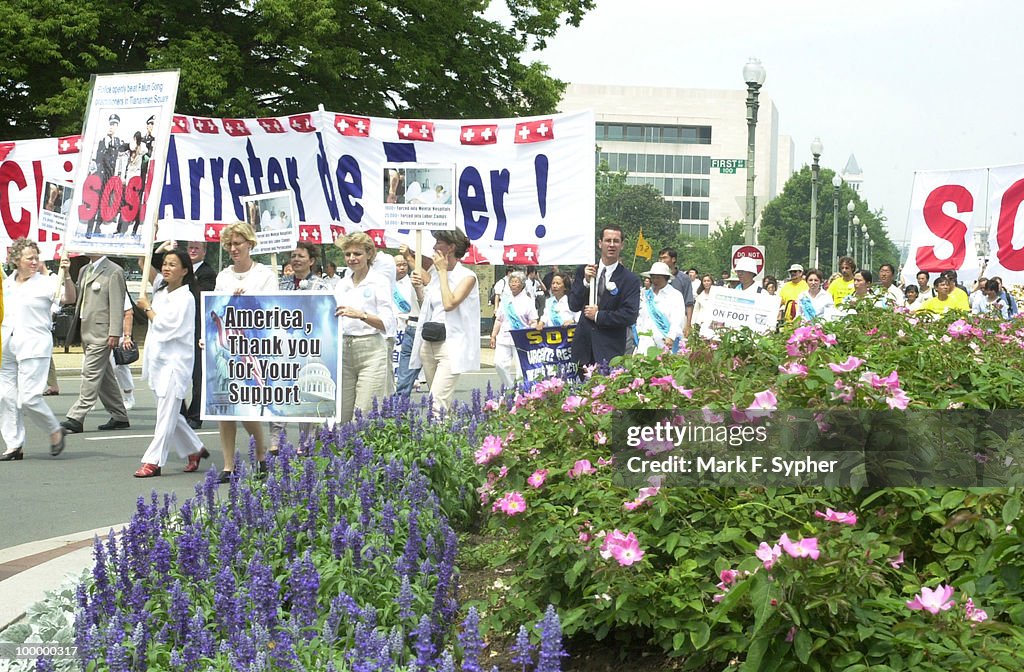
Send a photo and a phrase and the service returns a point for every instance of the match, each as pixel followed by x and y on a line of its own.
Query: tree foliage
pixel 786 231
pixel 418 58
pixel 632 207
pixel 712 254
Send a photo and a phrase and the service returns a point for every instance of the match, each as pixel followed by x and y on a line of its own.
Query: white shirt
pixel 384 264
pixel 462 324
pixel 824 306
pixel 28 314
pixel 372 295
pixel 408 293
pixel 258 278
pixel 561 306
pixel 525 309
pixel 671 303
pixel 170 343
pixel 898 298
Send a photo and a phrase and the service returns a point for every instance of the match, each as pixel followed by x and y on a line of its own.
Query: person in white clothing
pixel 407 321
pixel 662 315
pixel 556 308
pixel 448 339
pixel 385 265
pixel 167 363
pixel 814 302
pixel 243 275
pixel 746 270
pixel 517 311
pixel 702 305
pixel 28 304
pixel 366 309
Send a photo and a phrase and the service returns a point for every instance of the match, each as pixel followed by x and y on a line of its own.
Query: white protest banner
pixel 523 191
pixel 735 309
pixel 25 168
pixel 1005 235
pixel 127 125
pixel 271 356
pixel 946 208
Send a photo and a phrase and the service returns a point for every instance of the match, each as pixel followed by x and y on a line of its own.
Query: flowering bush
pixel 806 578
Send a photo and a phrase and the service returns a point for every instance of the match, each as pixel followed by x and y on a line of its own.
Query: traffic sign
pixel 755 252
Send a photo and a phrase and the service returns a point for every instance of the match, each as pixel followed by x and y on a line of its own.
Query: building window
pixel 687 135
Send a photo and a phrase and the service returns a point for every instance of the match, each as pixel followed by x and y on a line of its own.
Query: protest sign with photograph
pixel 418 197
pixel 272 217
pixel 56 203
pixel 121 165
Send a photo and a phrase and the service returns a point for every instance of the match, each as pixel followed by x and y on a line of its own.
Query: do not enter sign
pixel 755 252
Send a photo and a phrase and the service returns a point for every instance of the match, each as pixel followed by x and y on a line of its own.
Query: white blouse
pixel 562 308
pixel 28 314
pixel 525 308
pixel 462 324
pixel 170 343
pixel 372 295
pixel 258 278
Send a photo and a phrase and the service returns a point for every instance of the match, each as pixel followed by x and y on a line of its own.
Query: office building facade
pixel 691 144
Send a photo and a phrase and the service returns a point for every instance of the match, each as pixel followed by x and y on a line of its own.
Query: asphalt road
pixel 91 484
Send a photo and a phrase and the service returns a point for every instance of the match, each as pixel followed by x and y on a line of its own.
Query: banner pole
pixel 418 261
pixel 147 265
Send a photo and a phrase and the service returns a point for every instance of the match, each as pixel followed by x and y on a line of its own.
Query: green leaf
pixel 802 645
pixel 700 635
pixel 953 499
pixel 1011 509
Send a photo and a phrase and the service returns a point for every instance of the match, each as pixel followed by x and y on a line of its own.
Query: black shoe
pixel 57 448
pixel 225 477
pixel 72 426
pixel 114 424
pixel 194 424
pixel 15 454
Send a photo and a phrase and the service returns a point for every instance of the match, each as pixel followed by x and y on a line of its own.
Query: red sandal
pixel 147 471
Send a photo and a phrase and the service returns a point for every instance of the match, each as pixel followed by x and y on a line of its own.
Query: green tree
pixel 632 207
pixel 428 58
pixel 712 254
pixel 785 225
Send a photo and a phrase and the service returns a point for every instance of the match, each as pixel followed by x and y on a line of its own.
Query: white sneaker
pixel 129 399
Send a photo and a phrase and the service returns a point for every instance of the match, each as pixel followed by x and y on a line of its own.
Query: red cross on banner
pixel 69 144
pixel 179 124
pixel 377 235
pixel 410 129
pixel 482 134
pixel 211 232
pixel 206 126
pixel 337 231
pixel 521 255
pixel 270 125
pixel 473 256
pixel 535 131
pixel 310 233
pixel 349 125
pixel 303 123
pixel 236 127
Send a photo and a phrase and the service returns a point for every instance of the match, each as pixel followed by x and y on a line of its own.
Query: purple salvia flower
pixel 303 584
pixel 551 651
pixel 388 518
pixel 263 591
pixel 424 644
pixel 193 552
pixel 405 599
pixel 447 663
pixel 44 665
pixel 179 609
pixel 471 642
pixel 522 650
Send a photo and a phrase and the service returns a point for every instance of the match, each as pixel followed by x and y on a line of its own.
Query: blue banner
pixel 545 353
pixel 273 356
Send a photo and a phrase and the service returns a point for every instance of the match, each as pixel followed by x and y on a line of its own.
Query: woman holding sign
pixel 367 314
pixel 448 339
pixel 517 311
pixel 167 363
pixel 243 275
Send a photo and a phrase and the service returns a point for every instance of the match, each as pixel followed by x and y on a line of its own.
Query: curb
pixel 30 570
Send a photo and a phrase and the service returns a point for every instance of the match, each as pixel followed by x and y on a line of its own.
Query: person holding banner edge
pixel 601 333
pixel 242 275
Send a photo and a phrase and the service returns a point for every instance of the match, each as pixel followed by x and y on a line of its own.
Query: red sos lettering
pixel 1012 259
pixel 132 199
pixel 946 227
pixel 106 198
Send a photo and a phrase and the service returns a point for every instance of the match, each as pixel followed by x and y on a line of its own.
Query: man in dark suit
pixel 206 279
pixel 107 151
pixel 101 296
pixel 601 332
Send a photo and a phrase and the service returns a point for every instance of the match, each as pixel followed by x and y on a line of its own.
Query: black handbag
pixel 433 332
pixel 124 356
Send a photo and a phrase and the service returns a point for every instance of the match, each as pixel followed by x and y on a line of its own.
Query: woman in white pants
pixel 29 300
pixel 518 311
pixel 167 363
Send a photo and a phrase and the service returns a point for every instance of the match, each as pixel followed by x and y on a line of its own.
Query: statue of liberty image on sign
pixel 272 356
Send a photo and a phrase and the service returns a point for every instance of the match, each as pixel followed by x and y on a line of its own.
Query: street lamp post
pixel 836 183
pixel 871 252
pixel 849 218
pixel 856 227
pixel 864 244
pixel 753 75
pixel 816 149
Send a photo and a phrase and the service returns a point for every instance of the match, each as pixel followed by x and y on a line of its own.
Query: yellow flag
pixel 643 248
